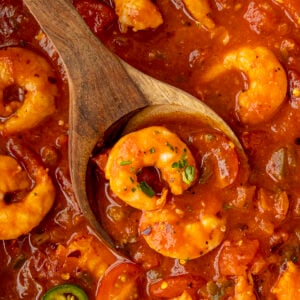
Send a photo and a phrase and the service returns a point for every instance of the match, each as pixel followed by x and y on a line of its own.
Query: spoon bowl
pixel 103 89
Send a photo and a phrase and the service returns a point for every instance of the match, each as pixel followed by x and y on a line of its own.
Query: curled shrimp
pixel 288 285
pixel 244 289
pixel 200 10
pixel 21 216
pixel 153 146
pixel 34 78
pixel 266 86
pixel 138 14
pixel 182 234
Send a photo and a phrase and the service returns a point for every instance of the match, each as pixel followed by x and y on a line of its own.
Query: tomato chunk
pixel 174 286
pixel 235 257
pixel 121 283
pixel 96 14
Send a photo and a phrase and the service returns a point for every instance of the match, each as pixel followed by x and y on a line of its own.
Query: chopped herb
pixel 227 206
pixel 170 146
pixel 217 290
pixel 133 189
pixel 146 189
pixel 19 261
pixel 209 137
pixel 131 179
pixel 152 150
pixel 175 165
pixel 179 164
pixel 125 162
pixel 188 174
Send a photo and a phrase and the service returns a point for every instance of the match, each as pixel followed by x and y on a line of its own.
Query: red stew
pixel 234 47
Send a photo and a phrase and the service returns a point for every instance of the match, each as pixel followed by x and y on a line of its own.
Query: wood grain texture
pixel 103 89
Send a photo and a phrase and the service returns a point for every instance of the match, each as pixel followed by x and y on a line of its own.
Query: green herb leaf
pixel 188 174
pixel 227 206
pixel 146 189
pixel 179 164
pixel 170 146
pixel 152 150
pixel 125 162
pixel 175 165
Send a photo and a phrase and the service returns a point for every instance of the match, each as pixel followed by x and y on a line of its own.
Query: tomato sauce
pixel 262 212
pixel 34 263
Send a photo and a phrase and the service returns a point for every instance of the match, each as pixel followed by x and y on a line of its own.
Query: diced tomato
pixel 121 283
pixel 174 286
pixel 142 254
pixel 95 13
pixel 101 160
pixel 236 257
pixel 219 157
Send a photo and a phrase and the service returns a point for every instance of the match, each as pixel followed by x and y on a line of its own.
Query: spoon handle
pixel 100 89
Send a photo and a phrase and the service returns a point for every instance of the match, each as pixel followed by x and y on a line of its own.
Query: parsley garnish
pixel 227 206
pixel 188 174
pixel 152 150
pixel 179 164
pixel 125 162
pixel 146 189
pixel 170 146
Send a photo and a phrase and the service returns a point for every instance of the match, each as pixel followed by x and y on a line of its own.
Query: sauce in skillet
pixel 259 254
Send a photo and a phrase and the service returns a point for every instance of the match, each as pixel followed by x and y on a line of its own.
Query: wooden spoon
pixel 104 89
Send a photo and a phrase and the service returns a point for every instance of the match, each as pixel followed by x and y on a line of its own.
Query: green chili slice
pixel 65 292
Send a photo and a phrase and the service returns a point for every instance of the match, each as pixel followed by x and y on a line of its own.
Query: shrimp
pixel 200 10
pixel 267 82
pixel 20 217
pixel 288 285
pixel 138 14
pixel 180 234
pixel 31 74
pixel 152 146
pixel 184 296
pixel 244 289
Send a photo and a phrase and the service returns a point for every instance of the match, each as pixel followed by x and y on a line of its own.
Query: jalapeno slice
pixel 65 291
